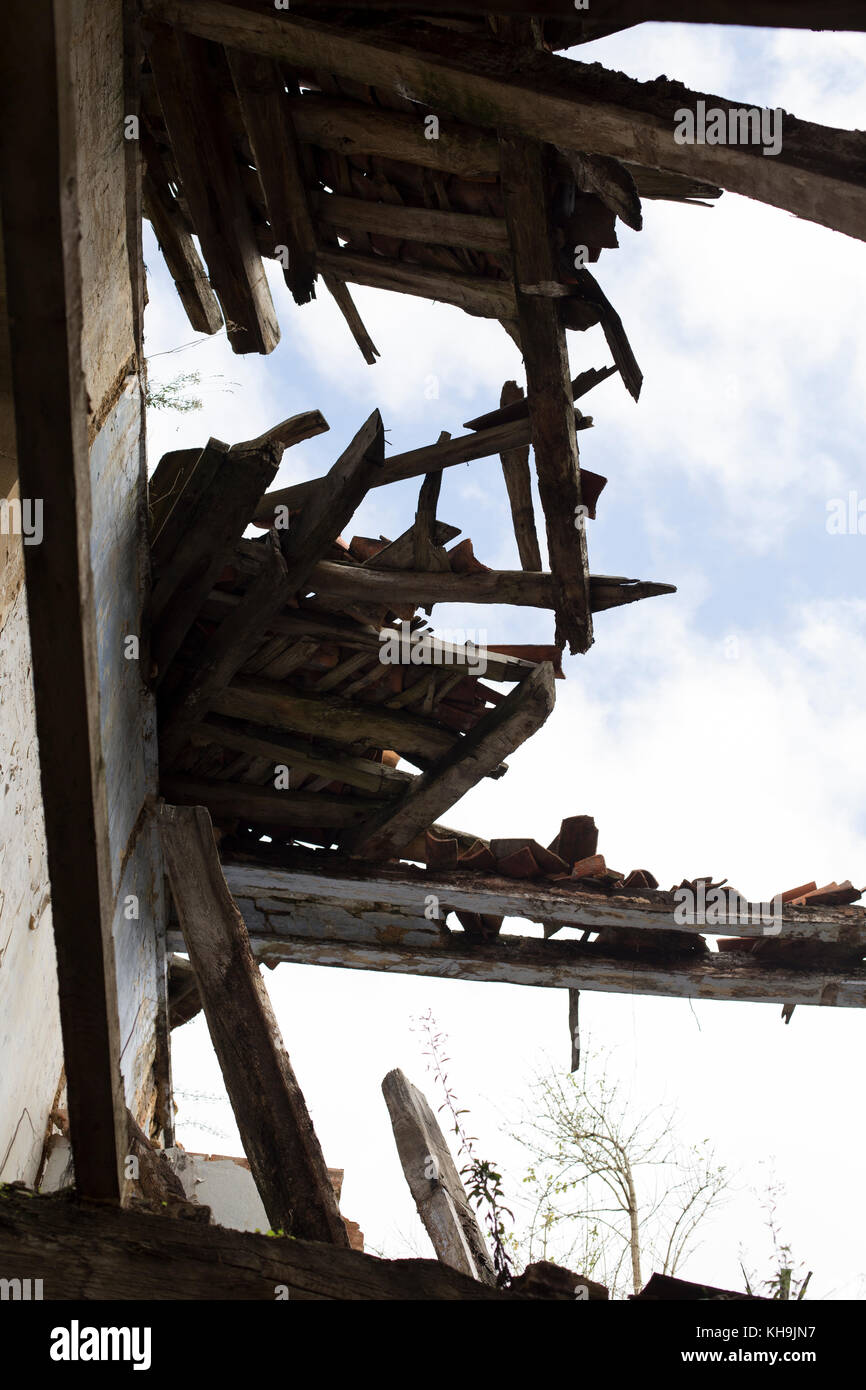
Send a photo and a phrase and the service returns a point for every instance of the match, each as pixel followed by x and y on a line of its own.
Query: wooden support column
pixel 542 335
pixel 43 274
pixel 434 1181
pixel 275 1127
pixel 477 755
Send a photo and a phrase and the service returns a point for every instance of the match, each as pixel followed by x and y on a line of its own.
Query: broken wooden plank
pixel 274 1123
pixel 515 467
pixel 177 246
pixel 817 174
pixel 518 408
pixel 416 462
pixel 202 147
pixel 524 588
pixel 137 1255
pixel 574 1027
pixel 345 303
pixel 477 755
pixel 611 15
pixel 478 294
pixel 265 108
pixel 548 381
pixel 434 1182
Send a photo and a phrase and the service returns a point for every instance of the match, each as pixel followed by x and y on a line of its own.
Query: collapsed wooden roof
pixel 300 652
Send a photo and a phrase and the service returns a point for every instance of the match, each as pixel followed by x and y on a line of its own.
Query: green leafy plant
pixel 169 396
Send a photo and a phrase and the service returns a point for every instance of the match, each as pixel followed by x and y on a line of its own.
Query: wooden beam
pixel 355 129
pixel 334 881
pixel 574 1027
pixel 417 462
pixel 266 805
pixel 202 147
pixel 524 588
pixel 274 1123
pixel 353 215
pixel 496 735
pixel 39 95
pixel 265 108
pixel 177 246
pixel 294 928
pixel 817 175
pixel 515 468
pixel 477 294
pixel 542 335
pixel 621 14
pixel 123 1255
pixel 333 719
pixel 434 1181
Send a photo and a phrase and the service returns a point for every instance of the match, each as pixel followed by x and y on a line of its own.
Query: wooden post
pixel 275 1127
pixel 434 1181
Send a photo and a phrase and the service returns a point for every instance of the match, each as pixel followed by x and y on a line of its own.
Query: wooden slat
pixel 621 14
pixel 515 467
pixel 817 175
pixel 548 380
pixel 212 188
pixel 434 1181
pixel 274 1123
pixel 479 754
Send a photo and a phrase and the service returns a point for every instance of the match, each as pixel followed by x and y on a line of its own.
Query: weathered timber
pixel 818 174
pixel 377 779
pixel 334 880
pixel 275 1127
pixel 266 112
pixel 120 1255
pixel 496 735
pixel 267 805
pixel 177 246
pixel 48 413
pixel 518 407
pixel 434 1181
pixel 400 554
pixel 548 381
pixel 279 932
pixel 416 462
pixel 610 181
pixel 329 717
pixel 354 128
pixel 610 15
pixel 339 292
pixel 187 574
pixel 515 468
pixel 364 584
pixel 477 294
pixel 574 1027
pixel 353 215
pixel 202 147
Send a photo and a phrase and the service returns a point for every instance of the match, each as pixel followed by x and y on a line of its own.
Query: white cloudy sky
pixel 696 753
